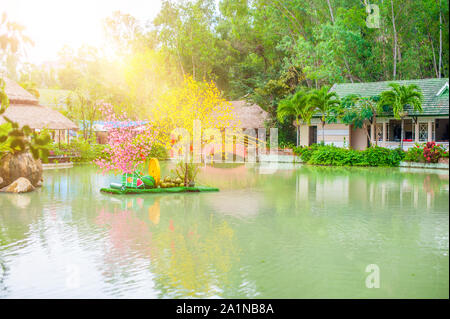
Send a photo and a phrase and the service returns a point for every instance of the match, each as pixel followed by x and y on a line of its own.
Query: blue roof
pixel 114 124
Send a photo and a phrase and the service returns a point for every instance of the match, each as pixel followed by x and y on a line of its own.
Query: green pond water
pixel 299 232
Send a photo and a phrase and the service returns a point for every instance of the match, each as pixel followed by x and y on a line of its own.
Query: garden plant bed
pixel 183 189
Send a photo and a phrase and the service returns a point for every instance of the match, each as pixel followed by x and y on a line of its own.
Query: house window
pixel 433 131
pixel 408 127
pixel 423 132
pixel 441 129
pixel 395 128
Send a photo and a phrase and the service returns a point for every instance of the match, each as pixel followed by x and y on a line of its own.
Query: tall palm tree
pixel 297 106
pixel 323 102
pixel 398 97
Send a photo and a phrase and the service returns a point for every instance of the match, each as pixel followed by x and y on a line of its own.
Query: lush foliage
pixel 357 111
pixel 298 106
pixel 186 171
pixel 16 139
pixel 400 96
pixel 319 154
pixel 79 149
pixel 261 50
pixel 158 151
pixel 429 152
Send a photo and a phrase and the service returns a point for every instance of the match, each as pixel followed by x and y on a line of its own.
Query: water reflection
pixel 302 232
pixel 186 257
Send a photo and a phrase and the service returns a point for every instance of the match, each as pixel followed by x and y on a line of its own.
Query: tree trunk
pixel 367 131
pixel 395 40
pixel 401 135
pixel 193 67
pixel 298 140
pixel 374 123
pixel 180 62
pixel 323 132
pixel 440 42
pixel 331 11
pixel 434 57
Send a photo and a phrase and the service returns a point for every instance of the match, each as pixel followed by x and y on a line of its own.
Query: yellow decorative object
pixel 154 170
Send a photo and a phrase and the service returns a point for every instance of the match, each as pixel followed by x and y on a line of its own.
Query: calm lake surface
pixel 301 232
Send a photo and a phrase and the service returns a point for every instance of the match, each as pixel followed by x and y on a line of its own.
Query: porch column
pixel 416 133
pixel 430 131
pixel 372 134
pixel 384 131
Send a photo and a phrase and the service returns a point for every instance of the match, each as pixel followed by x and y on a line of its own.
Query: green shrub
pixel 426 152
pixel 337 156
pixel 82 150
pixel 414 154
pixel 305 152
pixel 380 156
pixel 159 151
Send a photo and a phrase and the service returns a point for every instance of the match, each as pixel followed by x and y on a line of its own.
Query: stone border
pixel 424 165
pixel 57 165
pixel 280 158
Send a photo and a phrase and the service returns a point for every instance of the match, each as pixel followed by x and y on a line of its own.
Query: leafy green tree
pixel 296 106
pixel 15 139
pixel 358 112
pixel 323 102
pixel 400 96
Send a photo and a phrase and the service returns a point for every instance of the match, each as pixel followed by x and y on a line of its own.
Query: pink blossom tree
pixel 128 145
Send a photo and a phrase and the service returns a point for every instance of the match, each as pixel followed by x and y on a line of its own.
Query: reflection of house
pixel 430 125
pixel 24 109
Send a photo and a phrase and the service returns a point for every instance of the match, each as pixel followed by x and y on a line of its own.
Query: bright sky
pixel 53 23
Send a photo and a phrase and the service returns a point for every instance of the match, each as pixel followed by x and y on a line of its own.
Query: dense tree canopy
pixel 260 50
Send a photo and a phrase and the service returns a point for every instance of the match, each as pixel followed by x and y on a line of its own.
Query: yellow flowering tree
pixel 179 107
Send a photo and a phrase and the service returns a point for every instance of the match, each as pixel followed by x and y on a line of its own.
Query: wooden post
pixel 430 131
pixel 416 134
pixel 373 132
pixel 402 133
pixel 186 164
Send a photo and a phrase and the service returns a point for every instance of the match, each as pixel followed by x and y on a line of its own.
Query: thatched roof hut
pixel 24 109
pixel 248 115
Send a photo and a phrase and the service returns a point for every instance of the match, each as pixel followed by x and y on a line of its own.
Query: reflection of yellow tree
pixel 154 212
pixel 190 255
pixel 191 264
